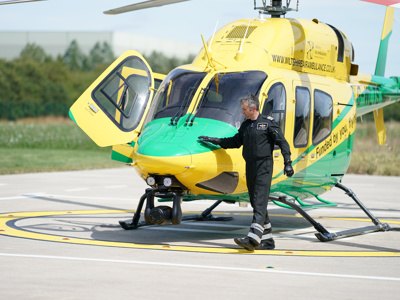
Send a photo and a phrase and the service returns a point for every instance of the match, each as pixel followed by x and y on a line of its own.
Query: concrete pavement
pixel 60 239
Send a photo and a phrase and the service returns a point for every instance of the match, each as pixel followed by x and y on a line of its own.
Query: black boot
pixel 247 243
pixel 266 245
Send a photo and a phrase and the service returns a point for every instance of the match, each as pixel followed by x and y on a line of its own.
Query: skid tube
pixel 323 234
pixel 175 214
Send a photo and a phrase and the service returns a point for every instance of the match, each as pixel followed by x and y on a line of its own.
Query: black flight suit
pixel 258 139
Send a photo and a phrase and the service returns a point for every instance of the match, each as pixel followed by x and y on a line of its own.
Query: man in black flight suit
pixel 258 136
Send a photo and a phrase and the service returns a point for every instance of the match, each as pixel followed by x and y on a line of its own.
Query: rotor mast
pixel 275 9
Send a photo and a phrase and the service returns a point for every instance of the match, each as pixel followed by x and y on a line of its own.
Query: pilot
pixel 258 135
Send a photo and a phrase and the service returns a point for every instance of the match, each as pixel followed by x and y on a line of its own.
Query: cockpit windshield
pixel 221 100
pixel 175 94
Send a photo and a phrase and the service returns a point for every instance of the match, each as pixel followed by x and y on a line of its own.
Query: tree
pixel 100 55
pixel 74 57
pixel 33 52
pixel 162 64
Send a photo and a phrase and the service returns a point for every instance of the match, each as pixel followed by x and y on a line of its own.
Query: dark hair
pixel 252 100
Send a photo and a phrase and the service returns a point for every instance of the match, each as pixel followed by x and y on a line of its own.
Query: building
pixel 55 43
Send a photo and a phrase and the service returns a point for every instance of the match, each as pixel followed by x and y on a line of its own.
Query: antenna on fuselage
pixel 245 34
pixel 275 9
pixel 215 29
pixel 240 54
pixel 210 61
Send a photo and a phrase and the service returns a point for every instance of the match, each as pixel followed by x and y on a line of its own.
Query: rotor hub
pixel 275 9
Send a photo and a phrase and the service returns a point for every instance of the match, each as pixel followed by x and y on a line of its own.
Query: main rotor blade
pixel 141 5
pixel 17 1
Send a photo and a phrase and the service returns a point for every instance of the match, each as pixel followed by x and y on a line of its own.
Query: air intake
pixel 239 31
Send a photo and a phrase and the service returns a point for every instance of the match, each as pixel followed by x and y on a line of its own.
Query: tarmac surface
pixel 60 239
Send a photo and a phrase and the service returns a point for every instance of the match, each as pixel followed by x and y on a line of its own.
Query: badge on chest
pixel 262 126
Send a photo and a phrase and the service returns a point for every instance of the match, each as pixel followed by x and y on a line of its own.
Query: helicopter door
pixel 112 110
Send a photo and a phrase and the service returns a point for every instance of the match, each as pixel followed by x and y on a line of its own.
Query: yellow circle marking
pixel 10 231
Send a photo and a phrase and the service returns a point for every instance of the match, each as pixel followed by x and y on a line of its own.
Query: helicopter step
pixel 163 215
pixel 323 234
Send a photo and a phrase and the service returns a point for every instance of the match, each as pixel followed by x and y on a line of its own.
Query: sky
pixel 186 21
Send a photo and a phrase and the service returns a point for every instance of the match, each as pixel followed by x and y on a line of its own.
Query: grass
pixel 370 158
pixel 49 144
pixel 57 144
pixel 53 133
pixel 48 160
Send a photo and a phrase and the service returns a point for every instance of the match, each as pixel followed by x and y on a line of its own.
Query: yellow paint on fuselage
pixel 388 24
pixel 205 166
pixel 292 44
pixel 294 52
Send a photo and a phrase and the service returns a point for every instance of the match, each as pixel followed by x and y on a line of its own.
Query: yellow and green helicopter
pixel 304 75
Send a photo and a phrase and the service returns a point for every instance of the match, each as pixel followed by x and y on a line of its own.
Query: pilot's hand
pixel 288 170
pixel 213 140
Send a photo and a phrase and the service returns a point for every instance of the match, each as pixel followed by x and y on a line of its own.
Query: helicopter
pixel 303 73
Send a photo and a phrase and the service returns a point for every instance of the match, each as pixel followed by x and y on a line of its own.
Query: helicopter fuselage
pixel 302 72
pixel 301 80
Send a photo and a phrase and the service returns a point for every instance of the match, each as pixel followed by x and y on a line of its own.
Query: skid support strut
pixel 317 226
pixel 324 235
pixel 136 217
pixel 163 215
pixel 207 215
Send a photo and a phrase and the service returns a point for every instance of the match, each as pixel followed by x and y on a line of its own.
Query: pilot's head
pixel 250 106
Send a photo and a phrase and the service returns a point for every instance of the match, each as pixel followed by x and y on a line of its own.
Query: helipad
pixel 30 225
pixel 60 239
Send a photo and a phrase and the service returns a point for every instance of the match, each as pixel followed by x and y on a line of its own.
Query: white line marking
pixel 115 186
pixel 90 198
pixel 197 230
pixel 239 230
pixel 12 198
pixel 362 184
pixel 202 267
pixel 63 196
pixel 76 190
pixel 193 223
pixel 24 196
pixel 295 236
pixel 236 232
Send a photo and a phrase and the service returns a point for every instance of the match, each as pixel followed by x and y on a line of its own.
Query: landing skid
pixel 324 235
pixel 175 214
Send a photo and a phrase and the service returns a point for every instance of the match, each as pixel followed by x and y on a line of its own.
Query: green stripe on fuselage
pixel 382 56
pixel 314 180
pixel 71 116
pixel 173 138
pixel 336 122
pixel 119 157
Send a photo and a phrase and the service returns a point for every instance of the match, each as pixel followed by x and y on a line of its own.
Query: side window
pixel 275 104
pixel 302 117
pixel 323 110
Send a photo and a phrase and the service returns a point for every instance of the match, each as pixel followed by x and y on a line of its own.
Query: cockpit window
pixel 221 98
pixel 175 93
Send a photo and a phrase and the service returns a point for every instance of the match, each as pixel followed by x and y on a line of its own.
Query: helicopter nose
pixel 164 158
